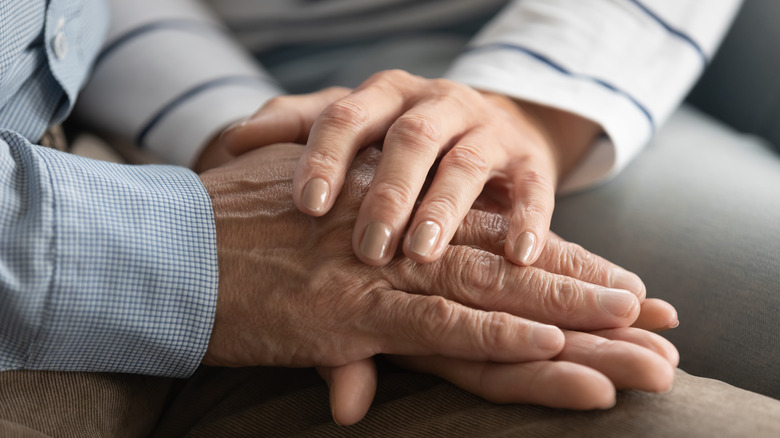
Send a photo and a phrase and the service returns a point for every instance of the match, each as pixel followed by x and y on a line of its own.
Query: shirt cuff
pixel 135 269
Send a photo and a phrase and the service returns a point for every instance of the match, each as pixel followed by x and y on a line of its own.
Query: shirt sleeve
pixel 103 267
pixel 169 78
pixel 624 64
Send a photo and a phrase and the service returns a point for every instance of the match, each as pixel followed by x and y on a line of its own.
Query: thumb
pixel 283 119
pixel 352 388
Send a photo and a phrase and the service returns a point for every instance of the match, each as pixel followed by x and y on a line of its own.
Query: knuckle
pixel 535 180
pixel 390 81
pixel 564 298
pixel 345 114
pixel 580 263
pixel 395 76
pixel 444 206
pixel 468 159
pixel 416 130
pixel 533 212
pixel 390 192
pixel 496 331
pixel 478 272
pixel 323 158
pixel 277 102
pixel 407 269
pixel 457 94
pixel 440 315
pixel 484 229
pixel 446 86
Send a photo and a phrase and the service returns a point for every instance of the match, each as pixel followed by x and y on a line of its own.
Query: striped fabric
pixel 164 80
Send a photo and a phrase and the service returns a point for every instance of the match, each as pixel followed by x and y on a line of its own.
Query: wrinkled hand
pixel 585 375
pixel 291 293
pixel 475 136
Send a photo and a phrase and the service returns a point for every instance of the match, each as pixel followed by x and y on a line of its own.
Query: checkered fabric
pixel 103 267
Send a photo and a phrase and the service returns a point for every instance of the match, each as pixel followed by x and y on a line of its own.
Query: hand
pixel 292 294
pixel 481 137
pixel 585 375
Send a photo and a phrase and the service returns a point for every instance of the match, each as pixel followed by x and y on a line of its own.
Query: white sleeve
pixel 624 64
pixel 169 78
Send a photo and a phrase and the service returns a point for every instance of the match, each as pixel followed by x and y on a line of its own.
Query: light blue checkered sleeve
pixel 103 267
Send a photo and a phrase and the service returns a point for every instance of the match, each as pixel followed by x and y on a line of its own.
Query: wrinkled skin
pixel 292 293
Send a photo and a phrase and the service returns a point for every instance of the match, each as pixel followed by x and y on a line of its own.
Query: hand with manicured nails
pixel 292 293
pixel 475 138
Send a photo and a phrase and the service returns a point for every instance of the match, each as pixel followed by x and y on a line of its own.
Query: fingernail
pixel 622 279
pixel 333 414
pixel 424 239
pixel 230 130
pixel 524 247
pixel 376 239
pixel 315 194
pixel 675 325
pixel 546 337
pixel 616 301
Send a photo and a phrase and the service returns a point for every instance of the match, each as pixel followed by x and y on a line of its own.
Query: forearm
pixel 170 78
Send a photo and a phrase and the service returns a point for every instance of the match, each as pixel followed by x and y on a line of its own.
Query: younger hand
pixel 475 137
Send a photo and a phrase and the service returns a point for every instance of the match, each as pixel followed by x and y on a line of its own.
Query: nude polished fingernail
pixel 622 279
pixel 546 337
pixel 524 247
pixel 376 240
pixel 616 301
pixel 315 195
pixel 425 238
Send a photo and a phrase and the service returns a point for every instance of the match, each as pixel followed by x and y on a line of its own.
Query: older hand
pixel 291 292
pixel 478 136
pixel 584 375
